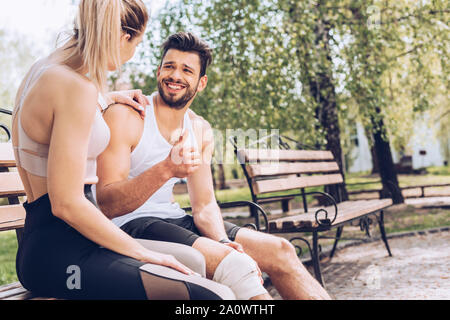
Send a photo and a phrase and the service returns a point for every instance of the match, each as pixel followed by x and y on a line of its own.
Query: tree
pixel 314 55
pixel 311 68
pixel 16 56
pixel 378 79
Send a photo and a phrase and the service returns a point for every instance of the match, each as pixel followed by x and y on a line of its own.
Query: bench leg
pixel 285 205
pixel 383 232
pixel 254 214
pixel 315 257
pixel 338 236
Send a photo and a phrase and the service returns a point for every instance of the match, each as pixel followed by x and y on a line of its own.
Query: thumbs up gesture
pixel 183 160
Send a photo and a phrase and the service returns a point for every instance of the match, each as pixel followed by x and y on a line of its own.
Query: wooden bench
pixel 12 215
pixel 295 171
pixel 415 191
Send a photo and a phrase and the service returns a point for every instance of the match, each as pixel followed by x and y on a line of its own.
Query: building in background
pixel 424 149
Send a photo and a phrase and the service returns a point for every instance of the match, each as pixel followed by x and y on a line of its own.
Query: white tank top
pixel 152 149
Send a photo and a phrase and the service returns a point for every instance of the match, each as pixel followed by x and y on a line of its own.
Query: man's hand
pixel 183 161
pixel 133 98
pixel 236 246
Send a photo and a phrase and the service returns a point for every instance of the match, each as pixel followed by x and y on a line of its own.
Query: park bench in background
pixel 296 171
pixel 416 191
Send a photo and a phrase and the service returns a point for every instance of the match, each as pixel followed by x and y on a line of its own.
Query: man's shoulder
pixel 125 122
pixel 122 113
pixel 202 129
pixel 199 121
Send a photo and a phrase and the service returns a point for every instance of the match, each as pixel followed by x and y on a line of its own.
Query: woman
pixel 69 248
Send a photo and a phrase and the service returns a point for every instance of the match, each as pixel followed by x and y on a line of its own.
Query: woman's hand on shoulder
pixel 133 98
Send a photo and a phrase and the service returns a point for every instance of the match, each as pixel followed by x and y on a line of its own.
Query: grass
pixel 441 171
pixel 8 251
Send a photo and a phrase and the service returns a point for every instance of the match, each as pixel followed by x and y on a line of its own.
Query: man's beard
pixel 180 103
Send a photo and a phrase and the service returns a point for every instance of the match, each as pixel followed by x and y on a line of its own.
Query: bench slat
pixel 12 292
pixel 306 219
pixel 12 217
pixel 10 286
pixel 274 199
pixel 272 169
pixel 15 291
pixel 7 155
pixel 265 186
pixel 253 155
pixel 11 185
pixel 27 295
pixel 346 211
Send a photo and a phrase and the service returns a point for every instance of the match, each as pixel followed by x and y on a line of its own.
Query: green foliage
pixel 8 251
pixel 16 56
pixel 386 60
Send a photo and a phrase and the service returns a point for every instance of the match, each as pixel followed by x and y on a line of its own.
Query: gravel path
pixel 418 270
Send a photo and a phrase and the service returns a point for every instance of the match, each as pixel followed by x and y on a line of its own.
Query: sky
pixel 40 21
pixel 36 24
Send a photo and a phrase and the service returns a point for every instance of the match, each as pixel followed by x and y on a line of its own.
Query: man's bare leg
pixel 277 257
pixel 214 252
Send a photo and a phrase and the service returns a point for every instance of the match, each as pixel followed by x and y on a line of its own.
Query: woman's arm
pixel 74 110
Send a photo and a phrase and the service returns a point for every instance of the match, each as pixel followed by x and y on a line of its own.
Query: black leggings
pixel 181 230
pixel 55 260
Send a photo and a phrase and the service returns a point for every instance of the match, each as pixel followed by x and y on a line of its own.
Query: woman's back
pixel 41 96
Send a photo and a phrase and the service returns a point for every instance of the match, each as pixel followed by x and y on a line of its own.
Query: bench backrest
pixel 281 170
pixel 12 214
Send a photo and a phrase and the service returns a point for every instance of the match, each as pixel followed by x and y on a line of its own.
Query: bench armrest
pixel 6 129
pixel 325 222
pixel 245 203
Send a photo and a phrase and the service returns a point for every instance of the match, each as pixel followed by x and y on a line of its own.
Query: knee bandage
pixel 240 273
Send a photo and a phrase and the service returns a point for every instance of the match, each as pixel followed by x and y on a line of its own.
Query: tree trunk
pixel 383 156
pixel 323 90
pixel 213 173
pixel 386 165
pixel 375 166
pixel 222 180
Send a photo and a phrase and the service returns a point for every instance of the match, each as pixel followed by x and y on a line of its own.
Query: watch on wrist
pixel 225 240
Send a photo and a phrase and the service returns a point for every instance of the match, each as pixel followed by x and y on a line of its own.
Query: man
pixel 145 158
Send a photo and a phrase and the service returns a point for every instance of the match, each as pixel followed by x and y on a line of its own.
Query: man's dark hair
pixel 188 42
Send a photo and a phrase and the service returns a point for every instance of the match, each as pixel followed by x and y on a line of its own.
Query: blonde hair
pixel 98 28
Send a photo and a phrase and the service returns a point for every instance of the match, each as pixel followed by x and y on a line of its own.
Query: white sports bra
pixel 33 156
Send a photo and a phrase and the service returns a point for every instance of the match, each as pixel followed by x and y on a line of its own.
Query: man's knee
pixel 286 248
pixel 281 252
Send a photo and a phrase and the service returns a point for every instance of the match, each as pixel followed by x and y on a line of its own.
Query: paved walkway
pixel 418 270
